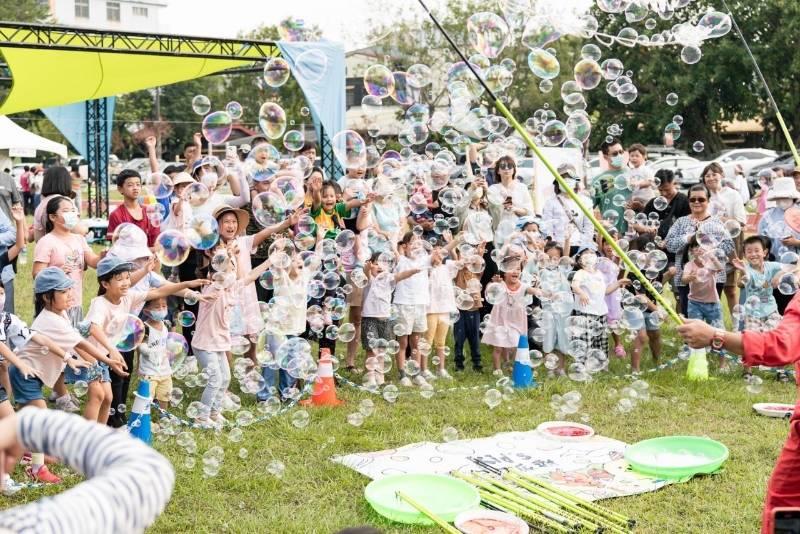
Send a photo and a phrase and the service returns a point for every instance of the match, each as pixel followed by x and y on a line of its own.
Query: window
pixel 82 9
pixel 112 11
pixel 139 11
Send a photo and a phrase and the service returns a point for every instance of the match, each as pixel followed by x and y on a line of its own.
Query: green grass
pixel 317 496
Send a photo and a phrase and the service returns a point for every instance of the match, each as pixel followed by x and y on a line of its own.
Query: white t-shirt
pixel 414 289
pixel 153 360
pixel 594 284
pixel 378 297
pixel 443 298
pixel 291 298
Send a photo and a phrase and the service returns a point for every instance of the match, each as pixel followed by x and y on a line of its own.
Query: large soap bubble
pixel 488 33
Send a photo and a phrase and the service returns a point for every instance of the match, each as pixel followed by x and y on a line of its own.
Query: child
pixel 556 307
pixel 608 265
pixel 8 256
pixel 441 306
pixel 49 350
pixel 153 361
pixel 232 225
pixel 508 319
pixel 757 283
pixel 699 274
pixel 590 288
pixel 212 337
pixel 375 313
pixel 106 317
pixel 129 185
pixel 467 328
pixel 411 297
pixel 325 210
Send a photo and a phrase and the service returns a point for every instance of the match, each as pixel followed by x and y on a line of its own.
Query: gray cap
pixel 111 264
pixel 52 279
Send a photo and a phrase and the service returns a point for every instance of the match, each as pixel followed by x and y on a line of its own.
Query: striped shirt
pixel 128 483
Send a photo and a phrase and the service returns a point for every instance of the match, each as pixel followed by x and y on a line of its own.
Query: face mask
pixel 784 203
pixel 70 220
pixel 159 315
pixel 589 261
pixel 617 161
pixel 477 193
pixel 210 180
pixel 2 302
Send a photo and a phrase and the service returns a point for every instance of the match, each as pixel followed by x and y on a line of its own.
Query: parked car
pixel 114 166
pixel 785 161
pixel 676 164
pixel 142 165
pixel 728 159
pixel 656 152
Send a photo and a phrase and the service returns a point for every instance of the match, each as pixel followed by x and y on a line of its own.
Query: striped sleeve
pixel 128 483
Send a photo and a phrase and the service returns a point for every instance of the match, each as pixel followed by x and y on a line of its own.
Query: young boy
pixel 375 313
pixel 129 185
pixel 759 277
pixel 154 362
pixel 325 210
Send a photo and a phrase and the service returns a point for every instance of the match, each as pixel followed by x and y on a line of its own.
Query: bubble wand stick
pixel 630 265
pixel 766 86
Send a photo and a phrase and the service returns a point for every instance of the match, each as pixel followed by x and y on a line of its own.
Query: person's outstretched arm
pixel 128 483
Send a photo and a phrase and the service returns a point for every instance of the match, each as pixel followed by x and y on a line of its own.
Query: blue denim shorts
pixel 3 394
pixel 710 312
pixel 25 389
pixel 98 371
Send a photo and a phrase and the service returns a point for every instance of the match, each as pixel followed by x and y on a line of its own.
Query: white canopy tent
pixel 16 141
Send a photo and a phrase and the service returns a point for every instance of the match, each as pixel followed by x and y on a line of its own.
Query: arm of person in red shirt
pixel 114 220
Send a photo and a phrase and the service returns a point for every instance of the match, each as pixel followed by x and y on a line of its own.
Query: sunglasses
pixel 698 200
pixel 617 153
pixel 505 167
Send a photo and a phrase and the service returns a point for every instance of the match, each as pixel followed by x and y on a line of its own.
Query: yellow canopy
pixel 60 66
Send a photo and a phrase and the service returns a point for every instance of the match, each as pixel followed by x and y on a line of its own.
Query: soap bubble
pixel 201 104
pixel 203 231
pixel 276 72
pixel 300 418
pixel 185 318
pixel 691 54
pixel 216 127
pixel 419 76
pixel 390 393
pixel 754 384
pixel 272 120
pixel 130 335
pixel 379 81
pixel 276 468
pixel 449 434
pixel 79 388
pixel 269 208
pixel 159 185
pixel 195 194
pixel 403 93
pixel 673 130
pixel 366 407
pixel 350 149
pixel 311 65
pixel 487 33
pixel 492 398
pixel 176 348
pixel 588 74
pixel 698 146
pixel 234 109
pixel 356 419
pixel 672 99
pixel 554 133
pixel 294 140
pixel 543 64
pixel 612 68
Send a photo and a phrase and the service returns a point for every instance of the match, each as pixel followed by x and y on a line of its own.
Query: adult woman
pixel 508 200
pixel 773 225
pixel 774 348
pixel 562 219
pixel 56 182
pixel 714 237
pixel 726 203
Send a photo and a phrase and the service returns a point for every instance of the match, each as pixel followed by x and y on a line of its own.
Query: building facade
pixel 123 15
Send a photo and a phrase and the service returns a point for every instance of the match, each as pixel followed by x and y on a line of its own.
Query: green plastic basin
pixel 673 457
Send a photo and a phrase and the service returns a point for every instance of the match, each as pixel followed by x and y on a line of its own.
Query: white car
pixel 746 157
pixel 676 164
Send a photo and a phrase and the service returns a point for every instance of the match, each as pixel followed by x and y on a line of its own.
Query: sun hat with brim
pixel 52 279
pixel 113 265
pixel 783 188
pixel 211 161
pixel 524 221
pixel 130 246
pixel 182 178
pixel 241 216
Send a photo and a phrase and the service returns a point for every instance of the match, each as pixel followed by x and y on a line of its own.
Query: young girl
pixel 154 363
pixel 49 350
pixel 590 288
pixel 556 307
pixel 107 315
pixel 375 313
pixel 440 308
pixel 508 319
pixel 608 265
pixel 212 337
pixel 699 273
pixel 759 279
pixel 467 328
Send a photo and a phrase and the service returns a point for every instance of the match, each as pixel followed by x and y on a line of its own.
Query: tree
pixel 24 11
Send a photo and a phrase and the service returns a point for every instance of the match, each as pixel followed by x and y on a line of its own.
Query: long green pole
pixel 766 85
pixel 629 264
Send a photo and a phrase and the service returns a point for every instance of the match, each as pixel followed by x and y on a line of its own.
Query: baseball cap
pixel 52 279
pixel 113 264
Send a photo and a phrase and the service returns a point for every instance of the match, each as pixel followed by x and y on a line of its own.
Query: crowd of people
pixel 243 266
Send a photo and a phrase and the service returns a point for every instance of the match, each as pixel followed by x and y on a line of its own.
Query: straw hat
pixel 182 178
pixel 241 216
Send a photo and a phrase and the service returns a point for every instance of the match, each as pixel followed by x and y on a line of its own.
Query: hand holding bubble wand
pixel 629 264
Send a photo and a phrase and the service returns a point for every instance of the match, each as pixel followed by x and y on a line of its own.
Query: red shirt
pixel 777 347
pixel 122 215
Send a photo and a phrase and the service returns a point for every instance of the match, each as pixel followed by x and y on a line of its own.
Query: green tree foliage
pixel 24 11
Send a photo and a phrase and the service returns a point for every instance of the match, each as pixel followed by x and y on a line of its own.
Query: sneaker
pixel 444 375
pixel 67 404
pixel 782 376
pixel 42 474
pixel 747 376
pixel 206 424
pixel 477 368
pixel 427 375
pixel 219 419
pixel 420 381
pixel 498 373
pixel 459 368
pixel 406 382
pixel 10 487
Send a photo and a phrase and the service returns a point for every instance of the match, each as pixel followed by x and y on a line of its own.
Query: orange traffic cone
pixel 324 393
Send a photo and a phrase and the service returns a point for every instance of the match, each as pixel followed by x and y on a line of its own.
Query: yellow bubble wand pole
pixel 766 86
pixel 629 264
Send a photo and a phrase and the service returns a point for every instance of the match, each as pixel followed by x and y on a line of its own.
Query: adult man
pixel 677 206
pixel 607 198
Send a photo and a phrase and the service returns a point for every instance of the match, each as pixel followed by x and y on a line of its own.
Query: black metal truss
pixel 97 149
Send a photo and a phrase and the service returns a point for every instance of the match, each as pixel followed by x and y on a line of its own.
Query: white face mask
pixel 589 260
pixel 784 203
pixel 70 220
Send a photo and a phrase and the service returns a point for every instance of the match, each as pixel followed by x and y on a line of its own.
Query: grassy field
pixel 317 496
